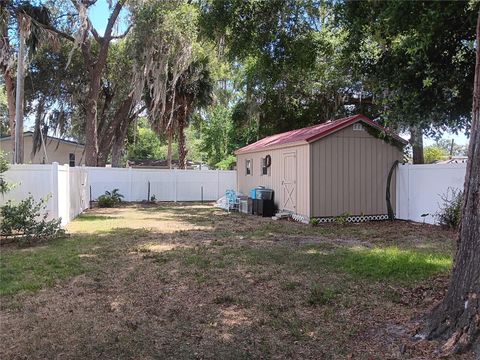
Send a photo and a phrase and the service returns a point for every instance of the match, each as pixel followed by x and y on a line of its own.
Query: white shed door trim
pixel 289 181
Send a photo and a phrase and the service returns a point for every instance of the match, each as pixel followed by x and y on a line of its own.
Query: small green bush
pixel 4 165
pixel 105 201
pixel 451 209
pixel 110 199
pixel 342 219
pixel 25 221
pixel 314 221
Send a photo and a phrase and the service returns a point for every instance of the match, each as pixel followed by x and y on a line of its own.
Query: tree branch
pixel 94 32
pixel 113 19
pixel 124 34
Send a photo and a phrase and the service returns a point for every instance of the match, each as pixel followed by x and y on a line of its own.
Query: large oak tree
pixel 457 318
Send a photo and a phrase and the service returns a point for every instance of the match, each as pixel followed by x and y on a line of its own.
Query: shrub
pixel 433 153
pixel 227 164
pixel 451 209
pixel 110 199
pixel 342 219
pixel 24 220
pixel 4 186
pixel 314 221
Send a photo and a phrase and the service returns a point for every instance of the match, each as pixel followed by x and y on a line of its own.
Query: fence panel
pixel 162 184
pixel 165 185
pixel 202 185
pixel 37 180
pixel 61 196
pixel 67 188
pixel 79 191
pixel 107 179
pixel 420 187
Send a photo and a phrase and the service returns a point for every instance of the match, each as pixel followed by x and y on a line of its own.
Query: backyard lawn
pixel 188 281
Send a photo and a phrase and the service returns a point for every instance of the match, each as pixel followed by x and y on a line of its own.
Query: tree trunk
pixel 117 148
pixel 169 148
pixel 182 146
pixel 91 129
pixel 20 94
pixel 109 130
pixel 8 74
pixel 96 65
pixel 119 143
pixel 102 158
pixel 457 318
pixel 10 90
pixel 416 140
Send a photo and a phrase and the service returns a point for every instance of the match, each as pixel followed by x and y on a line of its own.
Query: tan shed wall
pixel 349 174
pixel 60 154
pixel 274 179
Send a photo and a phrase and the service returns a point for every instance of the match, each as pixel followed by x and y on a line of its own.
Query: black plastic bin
pixel 264 194
pixel 262 207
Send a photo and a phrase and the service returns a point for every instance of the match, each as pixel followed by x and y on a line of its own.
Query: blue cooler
pixel 253 192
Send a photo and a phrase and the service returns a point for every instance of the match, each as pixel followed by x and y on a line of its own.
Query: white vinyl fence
pixel 66 187
pixel 165 185
pixel 420 188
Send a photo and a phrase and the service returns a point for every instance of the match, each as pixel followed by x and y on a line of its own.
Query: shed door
pixel 289 182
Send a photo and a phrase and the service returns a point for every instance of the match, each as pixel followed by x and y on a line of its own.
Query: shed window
pixel 264 166
pixel 357 127
pixel 248 167
pixel 71 158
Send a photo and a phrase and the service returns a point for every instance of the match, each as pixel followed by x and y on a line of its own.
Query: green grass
pixel 34 268
pixel 377 264
pixel 320 295
pixel 37 267
pixel 393 263
pixel 90 217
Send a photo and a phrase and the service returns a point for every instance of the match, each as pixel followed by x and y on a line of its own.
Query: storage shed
pixel 325 170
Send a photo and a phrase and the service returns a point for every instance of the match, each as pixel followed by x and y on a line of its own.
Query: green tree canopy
pixel 416 60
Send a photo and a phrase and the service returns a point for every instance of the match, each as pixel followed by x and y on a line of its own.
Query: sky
pixel 460 139
pixel 99 14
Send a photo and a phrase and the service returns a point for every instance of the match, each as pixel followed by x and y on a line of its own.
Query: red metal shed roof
pixel 313 133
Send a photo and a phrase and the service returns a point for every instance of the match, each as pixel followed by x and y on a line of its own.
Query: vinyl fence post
pixel 68 194
pixel 148 192
pixel 130 178
pixel 218 184
pixel 175 180
pixel 55 197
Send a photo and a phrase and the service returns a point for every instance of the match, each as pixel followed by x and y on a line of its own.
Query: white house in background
pixel 55 150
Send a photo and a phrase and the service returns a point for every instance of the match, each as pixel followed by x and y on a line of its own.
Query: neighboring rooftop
pixel 50 138
pixel 314 133
pixel 453 160
pixel 162 164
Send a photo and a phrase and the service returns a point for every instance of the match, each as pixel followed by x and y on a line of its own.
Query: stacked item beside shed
pixel 261 202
